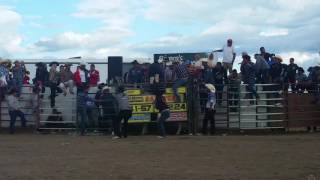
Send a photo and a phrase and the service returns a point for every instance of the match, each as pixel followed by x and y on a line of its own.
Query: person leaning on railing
pixel 220 79
pixel 85 105
pixel 234 87
pixel 209 110
pixel 109 105
pixel 15 110
pixel 125 113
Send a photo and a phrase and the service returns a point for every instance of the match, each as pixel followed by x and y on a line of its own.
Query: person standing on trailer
pixel 94 76
pixel 210 110
pixel 81 77
pixel 15 110
pixel 229 55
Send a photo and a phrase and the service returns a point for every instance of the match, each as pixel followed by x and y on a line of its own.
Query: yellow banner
pixel 149 99
pixel 143 108
pixel 176 107
pixel 133 92
pixel 181 90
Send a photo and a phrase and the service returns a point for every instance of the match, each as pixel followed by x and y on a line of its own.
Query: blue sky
pixel 139 28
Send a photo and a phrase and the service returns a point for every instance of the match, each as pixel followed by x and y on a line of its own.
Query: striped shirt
pixel 181 71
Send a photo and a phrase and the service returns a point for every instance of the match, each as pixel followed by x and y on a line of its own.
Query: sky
pixel 140 28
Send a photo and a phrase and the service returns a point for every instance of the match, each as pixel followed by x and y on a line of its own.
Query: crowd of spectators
pixel 203 72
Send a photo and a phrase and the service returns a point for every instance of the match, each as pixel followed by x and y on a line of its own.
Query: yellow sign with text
pixel 181 90
pixel 133 92
pixel 149 99
pixel 143 108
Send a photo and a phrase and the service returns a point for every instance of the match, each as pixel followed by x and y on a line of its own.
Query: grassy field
pixel 59 157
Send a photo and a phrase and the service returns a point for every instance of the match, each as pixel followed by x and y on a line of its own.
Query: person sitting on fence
pixel 220 78
pixel 248 77
pixel 94 76
pixel 85 104
pixel 168 73
pixel 109 106
pixel 135 74
pixel 210 110
pixel 234 89
pixel 301 81
pixel 156 72
pixel 125 113
pixel 81 77
pixel 53 82
pixel 15 110
pixel 66 80
pixel 180 71
pixel 42 76
pixel 292 73
pixel 26 78
pixel 17 76
pixel 164 113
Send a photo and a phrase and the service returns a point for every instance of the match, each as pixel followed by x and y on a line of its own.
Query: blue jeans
pixel 18 86
pixel 84 114
pixel 178 83
pixel 165 114
pixel 13 117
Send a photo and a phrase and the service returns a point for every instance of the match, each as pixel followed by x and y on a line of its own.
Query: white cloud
pixel 10 39
pixel 274 32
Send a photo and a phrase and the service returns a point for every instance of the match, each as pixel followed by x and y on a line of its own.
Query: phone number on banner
pixel 149 108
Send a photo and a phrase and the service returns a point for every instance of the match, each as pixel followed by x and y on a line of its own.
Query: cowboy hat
pixel 278 58
pixel 211 88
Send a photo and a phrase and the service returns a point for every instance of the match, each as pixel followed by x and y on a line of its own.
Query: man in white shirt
pixel 229 55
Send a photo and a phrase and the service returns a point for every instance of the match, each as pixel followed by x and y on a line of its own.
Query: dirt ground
pixel 59 157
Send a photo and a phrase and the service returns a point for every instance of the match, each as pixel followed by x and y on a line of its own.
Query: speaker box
pixel 114 67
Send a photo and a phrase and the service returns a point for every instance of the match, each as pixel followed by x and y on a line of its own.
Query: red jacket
pixel 94 78
pixel 77 78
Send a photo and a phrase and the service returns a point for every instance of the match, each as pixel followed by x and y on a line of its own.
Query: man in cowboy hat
pixel 42 76
pixel 110 107
pixel 209 110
